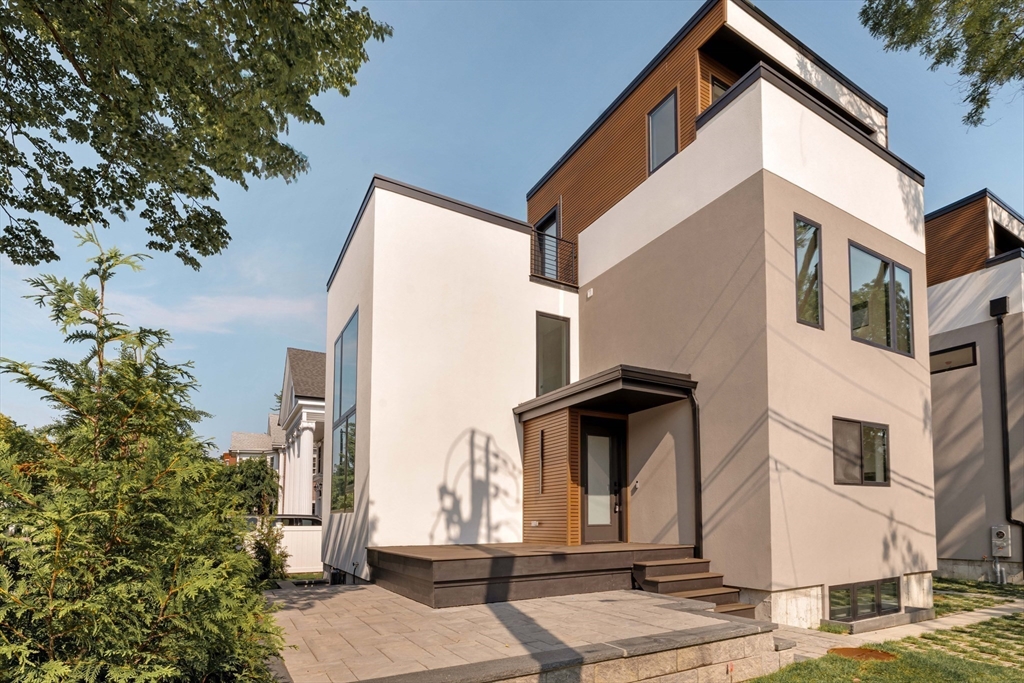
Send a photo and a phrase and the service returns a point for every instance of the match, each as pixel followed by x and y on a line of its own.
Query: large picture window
pixel 880 301
pixel 552 352
pixel 808 273
pixel 343 470
pixel 860 453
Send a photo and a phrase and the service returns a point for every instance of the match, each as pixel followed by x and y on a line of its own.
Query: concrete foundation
pixel 801 607
pixel 916 590
pixel 979 570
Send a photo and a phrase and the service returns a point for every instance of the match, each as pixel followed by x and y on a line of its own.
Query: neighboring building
pixel 732 231
pixel 976 312
pixel 301 424
pixel 266 445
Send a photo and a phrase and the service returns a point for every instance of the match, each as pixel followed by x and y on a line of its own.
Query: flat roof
pixel 407 190
pixel 760 16
pixel 971 198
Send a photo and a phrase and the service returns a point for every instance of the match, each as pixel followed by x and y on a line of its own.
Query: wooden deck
pixel 453 575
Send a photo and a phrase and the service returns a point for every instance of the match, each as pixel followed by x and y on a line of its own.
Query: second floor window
pixel 860 453
pixel 547 246
pixel 662 134
pixel 343 465
pixel 552 352
pixel 880 301
pixel 808 273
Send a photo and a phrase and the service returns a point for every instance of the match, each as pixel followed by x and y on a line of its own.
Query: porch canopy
pixel 622 389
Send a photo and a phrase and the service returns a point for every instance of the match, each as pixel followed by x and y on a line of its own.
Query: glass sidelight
pixel 599 480
pixel 602 460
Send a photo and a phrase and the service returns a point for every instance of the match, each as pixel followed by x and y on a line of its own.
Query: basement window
pixel 860 453
pixel 662 133
pixel 864 600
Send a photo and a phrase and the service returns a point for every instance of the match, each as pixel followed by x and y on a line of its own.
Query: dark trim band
pixel 799 92
pixel 970 199
pixel 406 190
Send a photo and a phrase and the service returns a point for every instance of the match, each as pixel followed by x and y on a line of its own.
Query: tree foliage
pixel 123 554
pixel 255 483
pixel 161 98
pixel 982 39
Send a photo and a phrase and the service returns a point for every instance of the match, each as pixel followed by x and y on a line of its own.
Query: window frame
pixel 973 346
pixel 568 347
pixel 343 418
pixel 821 278
pixel 893 264
pixel 557 215
pixel 651 168
pixel 879 612
pixel 715 79
pixel 888 453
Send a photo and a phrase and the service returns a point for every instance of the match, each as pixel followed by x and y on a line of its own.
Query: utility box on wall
pixel 1001 541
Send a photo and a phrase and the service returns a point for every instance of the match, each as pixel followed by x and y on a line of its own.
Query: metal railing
pixel 554 259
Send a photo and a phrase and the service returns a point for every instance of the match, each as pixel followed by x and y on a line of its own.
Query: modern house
pixel 706 348
pixel 302 422
pixel 976 313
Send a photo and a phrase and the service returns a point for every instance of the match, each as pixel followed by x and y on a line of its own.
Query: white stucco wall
pixel 447 331
pixel 740 19
pixel 963 301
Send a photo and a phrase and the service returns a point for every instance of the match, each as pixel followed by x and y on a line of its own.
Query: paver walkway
pixel 351 633
pixel 811 644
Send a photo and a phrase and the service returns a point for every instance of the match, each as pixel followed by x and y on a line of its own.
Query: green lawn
pixel 311 576
pixel 910 666
pixel 950 603
pixel 1010 590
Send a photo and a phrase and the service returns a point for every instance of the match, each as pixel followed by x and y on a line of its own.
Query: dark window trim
pixel 344 416
pixel 568 347
pixel 974 356
pixel 558 220
pixel 716 79
pixel 675 134
pixel 821 276
pixel 892 300
pixel 888 454
pixel 877 583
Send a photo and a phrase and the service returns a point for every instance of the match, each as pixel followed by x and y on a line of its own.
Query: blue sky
pixel 475 100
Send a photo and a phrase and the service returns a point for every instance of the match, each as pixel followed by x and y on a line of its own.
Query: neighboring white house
pixel 302 422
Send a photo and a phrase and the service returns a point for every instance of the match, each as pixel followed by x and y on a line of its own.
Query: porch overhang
pixel 622 389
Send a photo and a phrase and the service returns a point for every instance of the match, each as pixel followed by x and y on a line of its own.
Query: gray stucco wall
pixel 693 300
pixel 969 472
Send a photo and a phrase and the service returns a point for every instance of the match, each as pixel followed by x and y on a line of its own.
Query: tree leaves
pixel 982 39
pixel 121 549
pixel 111 107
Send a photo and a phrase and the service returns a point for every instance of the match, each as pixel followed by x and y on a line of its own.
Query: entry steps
pixel 685 576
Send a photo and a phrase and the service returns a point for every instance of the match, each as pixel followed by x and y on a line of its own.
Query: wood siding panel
pixel 549 508
pixel 708 68
pixel 613 160
pixel 575 493
pixel 956 243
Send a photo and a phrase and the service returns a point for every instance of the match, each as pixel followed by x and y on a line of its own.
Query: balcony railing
pixel 554 259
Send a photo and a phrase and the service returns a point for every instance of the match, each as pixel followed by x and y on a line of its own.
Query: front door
pixel 602 470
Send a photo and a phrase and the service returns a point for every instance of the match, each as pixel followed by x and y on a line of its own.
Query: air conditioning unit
pixel 1001 541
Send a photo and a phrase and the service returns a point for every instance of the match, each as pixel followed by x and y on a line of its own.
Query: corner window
pixel 552 352
pixel 954 358
pixel 718 88
pixel 662 133
pixel 860 453
pixel 880 301
pixel 808 273
pixel 863 600
pixel 343 470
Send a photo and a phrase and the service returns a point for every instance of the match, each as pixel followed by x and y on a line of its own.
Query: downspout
pixel 698 508
pixel 998 308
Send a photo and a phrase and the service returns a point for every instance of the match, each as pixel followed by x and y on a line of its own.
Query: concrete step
pixel 672 552
pixel 682 582
pixel 689 565
pixel 719 596
pixel 738 609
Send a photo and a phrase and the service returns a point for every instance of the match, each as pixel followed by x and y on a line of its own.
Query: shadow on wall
pixel 348 534
pixel 478 498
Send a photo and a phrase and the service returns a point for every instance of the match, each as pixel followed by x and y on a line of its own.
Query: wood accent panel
pixel 708 68
pixel 613 160
pixel 575 492
pixel 551 507
pixel 957 243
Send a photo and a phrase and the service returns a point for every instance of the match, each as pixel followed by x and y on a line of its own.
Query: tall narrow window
pixel 808 273
pixel 662 133
pixel 552 352
pixel 343 471
pixel 881 307
pixel 547 246
pixel 860 452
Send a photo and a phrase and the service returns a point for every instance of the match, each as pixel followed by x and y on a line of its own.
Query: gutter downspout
pixel 998 308
pixel 698 509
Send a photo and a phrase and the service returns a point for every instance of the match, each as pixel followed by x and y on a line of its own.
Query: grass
pixel 946 603
pixel 1010 590
pixel 310 576
pixel 833 628
pixel 910 666
pixel 985 652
